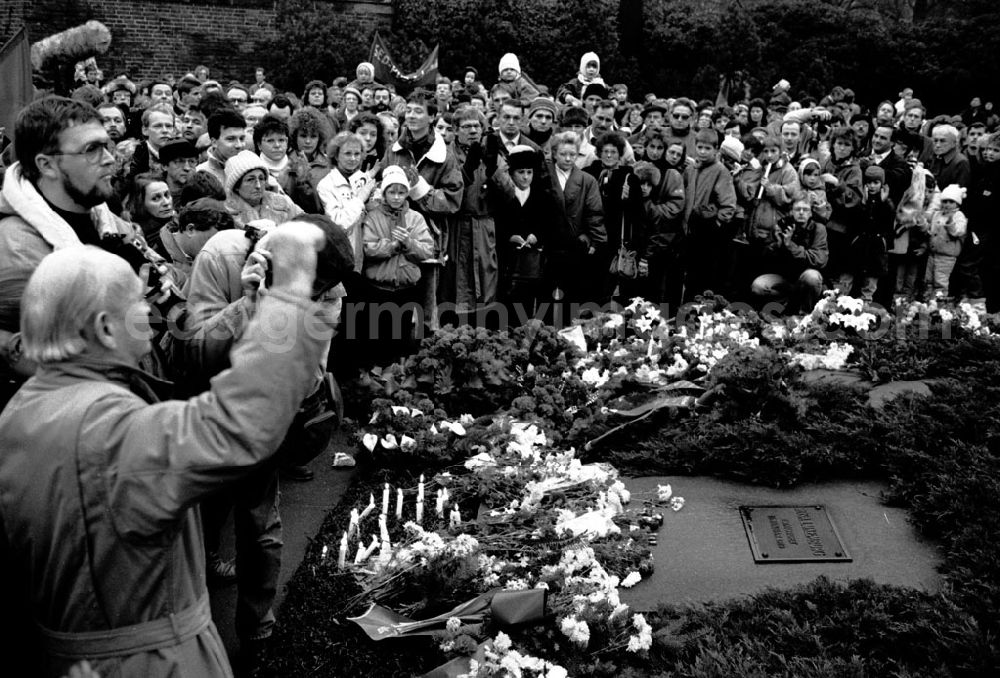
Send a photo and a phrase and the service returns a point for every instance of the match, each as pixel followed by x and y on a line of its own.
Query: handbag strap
pixel 621 242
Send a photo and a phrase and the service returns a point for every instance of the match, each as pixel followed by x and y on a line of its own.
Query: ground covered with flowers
pixel 496 461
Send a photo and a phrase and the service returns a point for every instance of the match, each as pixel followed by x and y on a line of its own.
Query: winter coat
pixel 665 214
pixel 946 232
pixel 520 88
pixel 580 217
pixel 99 486
pixel 29 230
pixel 342 201
pixel 869 239
pixel 473 245
pixel 443 194
pixel 950 168
pixel 846 195
pixel 385 266
pixel 709 197
pixel 807 249
pixel 621 216
pixel 982 205
pixel 535 217
pixel 276 207
pixel 773 204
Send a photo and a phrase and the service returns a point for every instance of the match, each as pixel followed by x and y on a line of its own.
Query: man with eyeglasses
pixel 53 197
pixel 238 96
pixel 680 126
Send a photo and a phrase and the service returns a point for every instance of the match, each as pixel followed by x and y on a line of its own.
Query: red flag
pixel 388 72
pixel 15 74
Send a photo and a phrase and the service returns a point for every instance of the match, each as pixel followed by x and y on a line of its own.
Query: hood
pixel 20 197
pixel 587 58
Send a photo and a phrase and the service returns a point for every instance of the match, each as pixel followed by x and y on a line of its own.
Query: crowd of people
pixel 489 204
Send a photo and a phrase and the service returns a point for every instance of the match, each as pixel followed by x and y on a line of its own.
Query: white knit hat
pixel 238 165
pixel 509 60
pixel 732 147
pixel 953 192
pixel 587 58
pixel 394 174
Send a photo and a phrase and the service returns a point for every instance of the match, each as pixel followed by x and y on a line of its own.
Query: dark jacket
pixel 807 249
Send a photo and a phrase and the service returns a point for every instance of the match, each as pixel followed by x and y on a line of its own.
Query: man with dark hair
pixel 228 131
pixel 281 107
pixel 53 197
pixel 681 124
pixel 897 171
pixel 602 121
pixel 113 118
pixel 161 92
pixel 193 123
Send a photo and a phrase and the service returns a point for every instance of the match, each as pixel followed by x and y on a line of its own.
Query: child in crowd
pixel 872 229
pixel 908 255
pixel 947 226
pixel 396 241
pixel 815 189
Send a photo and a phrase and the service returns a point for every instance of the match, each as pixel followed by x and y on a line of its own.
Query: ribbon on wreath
pixel 506 608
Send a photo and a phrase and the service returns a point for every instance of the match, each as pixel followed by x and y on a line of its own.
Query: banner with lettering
pixel 388 72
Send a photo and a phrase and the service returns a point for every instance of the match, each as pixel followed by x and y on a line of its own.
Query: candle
pixel 359 557
pixel 649 349
pixel 371 547
pixel 322 555
pixel 385 555
pixel 399 504
pixel 369 508
pixel 383 528
pixel 420 490
pixel 420 513
pixel 455 517
pixel 385 500
pixel 355 521
pixel 439 505
pixel 342 557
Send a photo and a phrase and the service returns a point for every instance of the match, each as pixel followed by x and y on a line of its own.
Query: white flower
pixel 556 672
pixel 643 640
pixel 466 419
pixel 664 492
pixel 576 630
pixel 407 443
pixel 453 624
pixel 644 324
pixel 389 441
pixel 594 377
pixel 631 579
pixel 502 643
pixel 370 440
pixel 614 320
pixel 677 503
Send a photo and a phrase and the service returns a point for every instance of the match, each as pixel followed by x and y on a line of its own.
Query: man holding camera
pixel 796 253
pixel 100 537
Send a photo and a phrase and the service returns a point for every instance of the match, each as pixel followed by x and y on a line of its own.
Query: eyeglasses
pixel 469 125
pixel 93 152
pixel 238 100
pixel 680 116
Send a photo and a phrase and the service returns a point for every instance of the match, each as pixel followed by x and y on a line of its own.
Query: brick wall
pixel 154 37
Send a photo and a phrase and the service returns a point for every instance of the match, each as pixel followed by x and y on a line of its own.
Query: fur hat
pixel 238 165
pixel 652 108
pixel 574 116
pixel 394 174
pixel 648 173
pixel 543 104
pixel 587 58
pixel 509 60
pixel 953 192
pixel 175 150
pixel 874 173
pixel 731 147
pixel 522 157
pixel 596 87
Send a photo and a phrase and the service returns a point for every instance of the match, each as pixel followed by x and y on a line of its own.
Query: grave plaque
pixel 792 534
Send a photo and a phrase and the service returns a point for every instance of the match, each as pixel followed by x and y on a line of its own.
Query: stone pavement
pixel 703 553
pixel 303 508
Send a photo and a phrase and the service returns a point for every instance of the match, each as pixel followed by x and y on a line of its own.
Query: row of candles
pixel 382 539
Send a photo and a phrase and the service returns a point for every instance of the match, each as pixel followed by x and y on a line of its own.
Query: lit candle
pixel 399 504
pixel 385 500
pixel 322 555
pixel 342 557
pixel 352 527
pixel 420 490
pixel 420 513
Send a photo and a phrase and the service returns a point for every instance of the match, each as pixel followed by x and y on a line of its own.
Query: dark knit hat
pixel 471 69
pixel 542 104
pixel 175 150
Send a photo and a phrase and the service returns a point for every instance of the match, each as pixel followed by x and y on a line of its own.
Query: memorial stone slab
pixel 703 552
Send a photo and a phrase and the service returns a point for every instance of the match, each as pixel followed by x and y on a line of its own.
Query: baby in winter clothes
pixel 946 226
pixel 815 190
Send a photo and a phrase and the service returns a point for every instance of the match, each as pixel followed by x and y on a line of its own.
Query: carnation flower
pixel 576 630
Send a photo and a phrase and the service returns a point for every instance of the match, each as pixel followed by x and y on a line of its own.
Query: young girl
pixel 947 226
pixel 815 190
